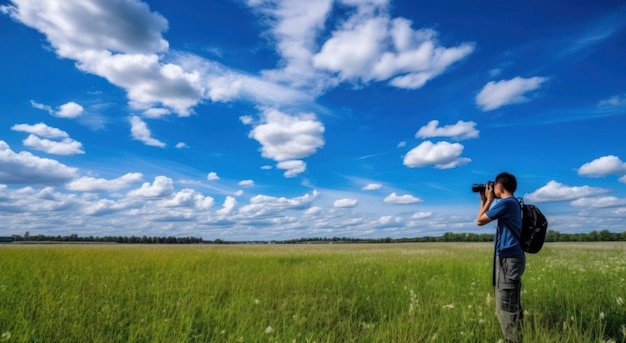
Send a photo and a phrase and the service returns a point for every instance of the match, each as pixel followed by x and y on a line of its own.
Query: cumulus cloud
pixel 162 186
pixel 420 215
pixel 262 205
pixel 496 94
pixel 139 131
pixel 442 155
pixel 603 166
pixel 284 137
pixel 246 183
pixel 41 130
pixel 67 110
pixel 64 146
pixel 406 199
pixel 228 207
pixel 67 146
pixel 189 198
pixel 366 46
pixel 118 40
pixel 459 131
pixel 70 110
pixel 345 203
pixel 555 191
pixel 388 221
pixel 90 184
pixel 598 202
pixel 26 168
pixel 212 176
pixel 372 186
pixel 370 46
pixel 292 167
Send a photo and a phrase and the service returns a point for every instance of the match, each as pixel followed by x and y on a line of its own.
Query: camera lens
pixel 478 187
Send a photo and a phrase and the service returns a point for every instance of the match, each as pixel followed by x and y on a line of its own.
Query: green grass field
pixel 427 292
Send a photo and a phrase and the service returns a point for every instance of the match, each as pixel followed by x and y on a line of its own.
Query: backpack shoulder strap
pixel 521 206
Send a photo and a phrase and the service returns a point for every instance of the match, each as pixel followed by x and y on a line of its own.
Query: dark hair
pixel 508 181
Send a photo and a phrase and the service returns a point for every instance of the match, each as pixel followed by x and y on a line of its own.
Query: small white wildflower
pixel 620 301
pixel 6 335
pixel 257 301
pixel 601 315
pixel 269 329
pixel 449 306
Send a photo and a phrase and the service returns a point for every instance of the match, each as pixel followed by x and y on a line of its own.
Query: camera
pixel 480 187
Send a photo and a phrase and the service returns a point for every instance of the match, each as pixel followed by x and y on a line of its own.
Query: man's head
pixel 507 181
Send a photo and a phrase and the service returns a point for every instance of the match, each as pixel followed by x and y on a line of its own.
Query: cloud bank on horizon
pixel 304 113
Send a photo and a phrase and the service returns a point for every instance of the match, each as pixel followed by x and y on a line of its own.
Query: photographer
pixel 509 258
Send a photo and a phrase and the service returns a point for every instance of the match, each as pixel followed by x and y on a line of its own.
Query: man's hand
pixel 489 192
pixel 486 198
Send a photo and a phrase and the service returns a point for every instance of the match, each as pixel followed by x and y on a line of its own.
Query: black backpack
pixel 534 228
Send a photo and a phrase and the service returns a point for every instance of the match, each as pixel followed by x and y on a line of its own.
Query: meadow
pixel 418 292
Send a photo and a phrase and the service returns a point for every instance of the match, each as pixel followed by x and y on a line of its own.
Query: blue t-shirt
pixel 509 215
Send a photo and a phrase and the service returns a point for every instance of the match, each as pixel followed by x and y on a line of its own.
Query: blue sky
pixel 281 119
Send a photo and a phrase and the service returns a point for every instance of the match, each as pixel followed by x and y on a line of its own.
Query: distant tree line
pixel 74 238
pixel 552 236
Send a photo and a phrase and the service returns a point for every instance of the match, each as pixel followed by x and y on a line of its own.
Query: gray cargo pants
pixel 508 277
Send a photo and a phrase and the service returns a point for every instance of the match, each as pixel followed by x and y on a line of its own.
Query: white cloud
pixel 189 198
pixel 459 131
pixel 345 203
pixel 90 184
pixel 603 166
pixel 442 155
pixel 372 186
pixel 139 131
pixel 212 176
pixel 372 46
pixel 405 199
pixel 262 205
pixel 181 145
pixel 246 120
pixel 421 215
pixel 118 41
pixel 26 168
pixel 555 191
pixel 67 146
pixel 41 129
pixel 67 110
pixel 246 183
pixel 161 187
pixel 388 221
pixel 42 107
pixel 292 167
pixel 614 101
pixel 497 94
pixel 598 202
pixel 70 110
pixel 296 26
pixel 284 137
pixel 228 206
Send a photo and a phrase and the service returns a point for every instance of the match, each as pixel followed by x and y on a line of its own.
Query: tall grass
pixel 303 293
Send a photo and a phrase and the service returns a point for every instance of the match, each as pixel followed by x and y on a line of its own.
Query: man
pixel 509 258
